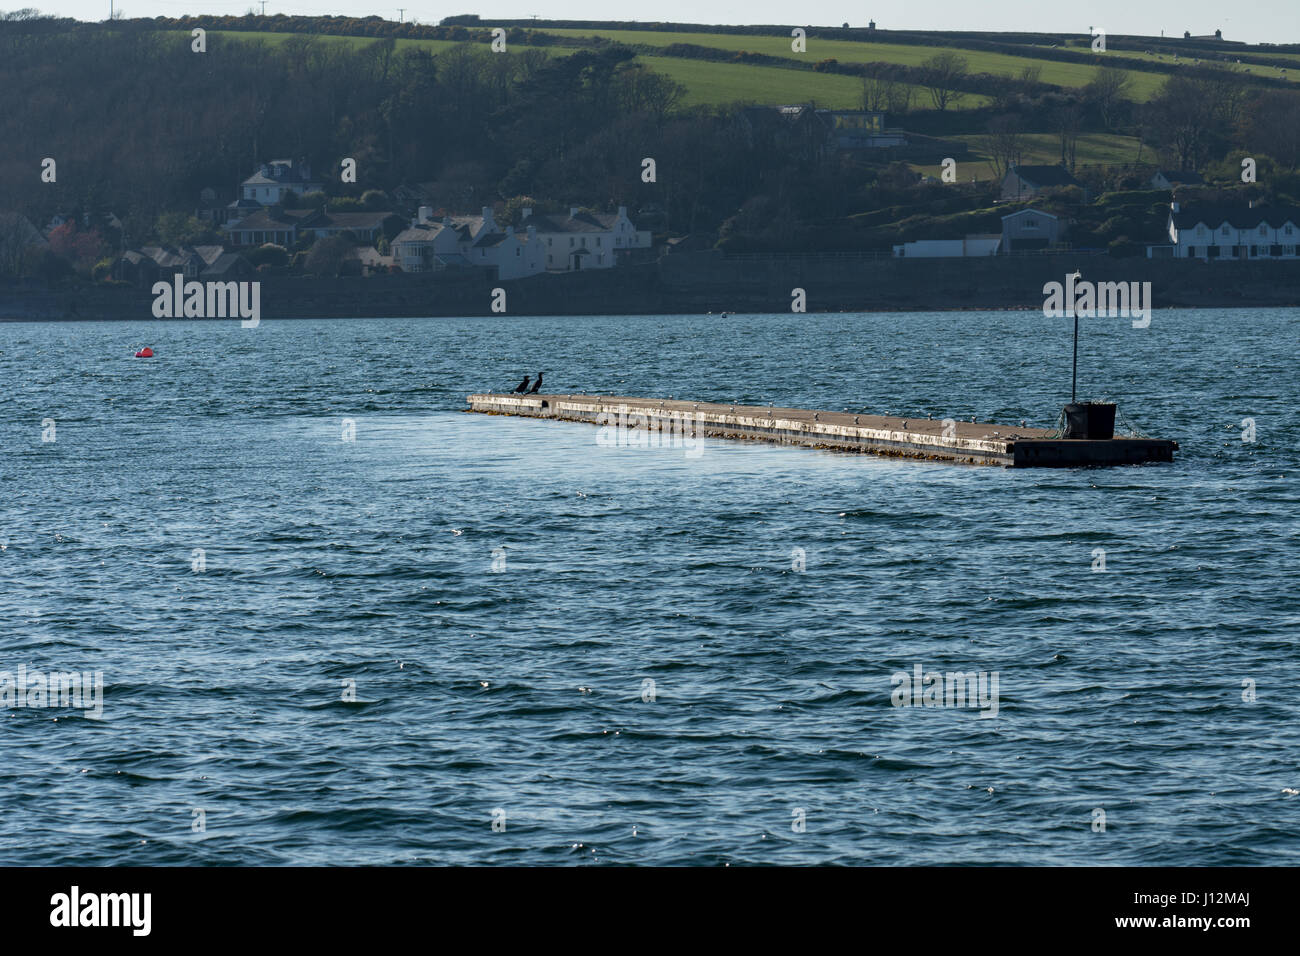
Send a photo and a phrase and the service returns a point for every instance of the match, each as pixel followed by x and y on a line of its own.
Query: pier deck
pixel 967 442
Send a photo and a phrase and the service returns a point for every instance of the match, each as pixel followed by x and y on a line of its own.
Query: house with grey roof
pixel 1025 182
pixel 1223 230
pixel 285 227
pixel 587 240
pixel 1030 230
pixel 272 180
pixel 430 245
pixel 145 265
pixel 189 261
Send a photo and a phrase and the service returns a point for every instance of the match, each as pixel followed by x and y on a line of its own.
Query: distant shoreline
pixel 704 283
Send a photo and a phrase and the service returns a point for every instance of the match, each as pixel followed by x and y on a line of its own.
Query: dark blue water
pixel 521 690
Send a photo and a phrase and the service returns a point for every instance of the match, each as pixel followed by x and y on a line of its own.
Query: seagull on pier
pixel 537 384
pixel 523 387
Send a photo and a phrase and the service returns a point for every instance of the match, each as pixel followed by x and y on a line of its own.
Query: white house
pixel 586 240
pixel 272 180
pixel 431 246
pixel 1231 231
pixel 1030 230
pixel 974 245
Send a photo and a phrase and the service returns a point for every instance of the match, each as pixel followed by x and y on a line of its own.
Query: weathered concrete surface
pixel 970 442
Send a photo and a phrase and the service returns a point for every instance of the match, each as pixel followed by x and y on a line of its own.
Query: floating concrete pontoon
pixel 967 442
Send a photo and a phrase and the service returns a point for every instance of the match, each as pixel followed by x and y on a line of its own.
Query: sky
pixel 1272 21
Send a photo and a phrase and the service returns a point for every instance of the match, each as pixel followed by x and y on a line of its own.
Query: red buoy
pixel 145 352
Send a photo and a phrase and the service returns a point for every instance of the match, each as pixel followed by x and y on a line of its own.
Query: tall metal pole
pixel 1074 374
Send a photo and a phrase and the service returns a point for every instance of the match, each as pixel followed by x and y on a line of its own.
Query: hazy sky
pixel 1274 21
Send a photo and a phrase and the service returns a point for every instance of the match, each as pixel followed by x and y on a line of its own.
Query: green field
pixel 716 83
pixel 849 51
pixel 275 39
pixel 707 83
pixel 1044 149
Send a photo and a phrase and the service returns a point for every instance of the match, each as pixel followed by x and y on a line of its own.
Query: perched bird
pixel 537 384
pixel 523 386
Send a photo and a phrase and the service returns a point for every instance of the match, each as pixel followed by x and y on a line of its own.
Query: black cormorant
pixel 523 386
pixel 537 384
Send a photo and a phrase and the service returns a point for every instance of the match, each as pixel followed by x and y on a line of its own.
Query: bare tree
pixel 875 93
pixel 898 97
pixel 639 89
pixel 1031 79
pixel 1108 91
pixel 942 74
pixel 1227 93
pixel 1068 120
pixel 1182 117
pixel 1004 144
pixel 16 237
pixel 1273 126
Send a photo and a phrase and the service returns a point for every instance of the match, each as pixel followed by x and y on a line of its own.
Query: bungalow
pixel 859 129
pixel 1169 178
pixel 1026 182
pixel 1231 231
pixel 1030 230
pixel 286 226
pixel 586 240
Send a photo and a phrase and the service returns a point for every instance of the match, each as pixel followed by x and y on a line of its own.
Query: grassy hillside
pixel 708 83
pixel 717 83
pixel 849 51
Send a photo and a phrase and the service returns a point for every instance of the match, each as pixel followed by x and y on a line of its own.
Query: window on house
pixel 600 259
pixel 1200 230
pixel 570 242
pixel 1263 230
pixel 1226 230
pixel 1031 223
pixel 519 252
pixel 1288 230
